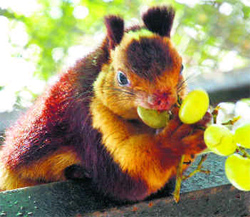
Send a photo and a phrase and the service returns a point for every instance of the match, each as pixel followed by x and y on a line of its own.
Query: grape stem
pixel 180 177
pixel 198 169
pixel 179 101
pixel 243 151
pixel 178 180
pixel 215 114
pixel 231 122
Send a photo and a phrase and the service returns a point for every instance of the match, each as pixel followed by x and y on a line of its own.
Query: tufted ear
pixel 115 30
pixel 159 20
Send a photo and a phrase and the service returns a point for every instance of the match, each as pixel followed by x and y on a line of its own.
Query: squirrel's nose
pixel 161 101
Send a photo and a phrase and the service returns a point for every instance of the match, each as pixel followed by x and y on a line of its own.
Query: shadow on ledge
pixel 76 199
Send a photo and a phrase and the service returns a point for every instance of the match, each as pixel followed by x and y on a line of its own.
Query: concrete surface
pixel 74 199
pixel 217 177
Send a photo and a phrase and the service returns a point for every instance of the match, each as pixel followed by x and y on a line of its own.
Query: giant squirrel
pixel 86 124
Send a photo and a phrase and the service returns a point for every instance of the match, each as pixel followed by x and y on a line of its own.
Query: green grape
pixel 194 106
pixel 153 118
pixel 219 140
pixel 242 135
pixel 237 170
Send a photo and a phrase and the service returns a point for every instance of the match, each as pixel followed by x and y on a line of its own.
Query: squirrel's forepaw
pixel 194 143
pixel 205 120
pixel 186 138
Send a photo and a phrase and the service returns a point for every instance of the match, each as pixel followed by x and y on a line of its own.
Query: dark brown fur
pixel 148 58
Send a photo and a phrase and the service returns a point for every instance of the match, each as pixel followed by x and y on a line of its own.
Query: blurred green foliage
pixel 203 33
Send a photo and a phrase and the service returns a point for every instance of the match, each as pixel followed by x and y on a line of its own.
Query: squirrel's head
pixel 144 68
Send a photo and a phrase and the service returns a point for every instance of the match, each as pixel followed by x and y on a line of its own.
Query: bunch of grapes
pixel 220 139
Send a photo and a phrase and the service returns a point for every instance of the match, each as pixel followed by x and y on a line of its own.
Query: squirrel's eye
pixel 182 67
pixel 122 79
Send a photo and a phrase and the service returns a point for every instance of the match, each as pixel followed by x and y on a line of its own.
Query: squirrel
pixel 86 125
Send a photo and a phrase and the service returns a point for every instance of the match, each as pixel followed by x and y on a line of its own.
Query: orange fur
pixel 136 153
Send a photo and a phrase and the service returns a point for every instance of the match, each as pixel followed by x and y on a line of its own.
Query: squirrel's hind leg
pixel 47 169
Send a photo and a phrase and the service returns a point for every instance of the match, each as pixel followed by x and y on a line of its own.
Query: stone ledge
pixel 219 201
pixel 74 199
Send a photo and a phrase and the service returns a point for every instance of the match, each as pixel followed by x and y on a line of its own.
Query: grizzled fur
pixel 61 117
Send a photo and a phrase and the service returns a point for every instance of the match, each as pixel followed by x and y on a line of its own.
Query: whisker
pixel 181 89
pixel 183 84
pixel 126 91
pixel 188 78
